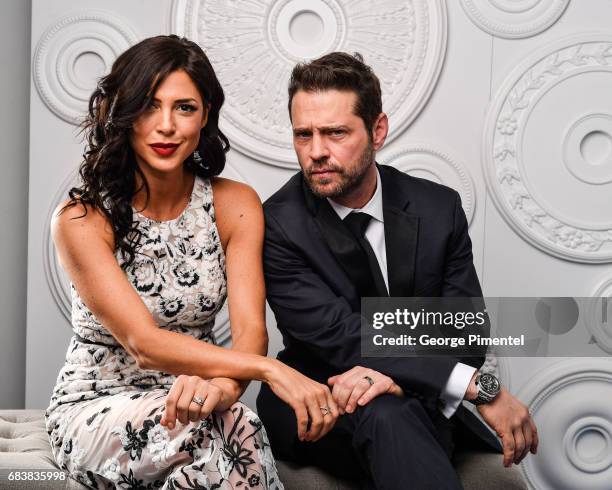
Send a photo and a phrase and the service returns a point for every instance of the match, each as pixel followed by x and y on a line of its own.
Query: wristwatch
pixel 488 388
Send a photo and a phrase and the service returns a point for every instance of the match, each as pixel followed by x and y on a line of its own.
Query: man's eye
pixel 338 132
pixel 302 135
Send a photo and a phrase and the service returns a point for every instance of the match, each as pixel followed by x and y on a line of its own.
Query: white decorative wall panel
pixel 530 137
pixel 570 403
pixel 253 46
pixel 428 163
pixel 498 366
pixel 57 280
pixel 72 54
pixel 514 18
pixel 599 316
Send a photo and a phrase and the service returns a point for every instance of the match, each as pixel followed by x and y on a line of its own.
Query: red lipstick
pixel 164 149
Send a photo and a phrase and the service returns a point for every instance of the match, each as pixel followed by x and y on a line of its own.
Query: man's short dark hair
pixel 344 72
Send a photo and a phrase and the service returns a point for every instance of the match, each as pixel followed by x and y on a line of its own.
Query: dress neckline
pixel 196 181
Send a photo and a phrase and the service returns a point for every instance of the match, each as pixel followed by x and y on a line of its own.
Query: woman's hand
pixel 315 408
pixel 180 404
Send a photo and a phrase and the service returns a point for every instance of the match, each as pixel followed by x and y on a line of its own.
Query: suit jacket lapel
pixel 401 235
pixel 341 243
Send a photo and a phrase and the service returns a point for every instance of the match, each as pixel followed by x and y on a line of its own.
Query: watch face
pixel 489 383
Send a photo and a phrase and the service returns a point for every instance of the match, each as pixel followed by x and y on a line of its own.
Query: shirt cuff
pixel 456 386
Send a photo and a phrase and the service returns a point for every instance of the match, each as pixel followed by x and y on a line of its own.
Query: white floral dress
pixel 104 417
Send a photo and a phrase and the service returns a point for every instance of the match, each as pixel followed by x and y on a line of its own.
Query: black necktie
pixel 357 223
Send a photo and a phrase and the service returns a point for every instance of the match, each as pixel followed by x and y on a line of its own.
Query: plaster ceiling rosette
pixel 514 19
pixel 599 315
pixel 498 367
pixel 434 165
pixel 254 44
pixel 57 280
pixel 570 404
pixel 547 149
pixel 70 57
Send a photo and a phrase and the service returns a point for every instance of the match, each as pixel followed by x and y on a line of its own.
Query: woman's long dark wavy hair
pixel 108 171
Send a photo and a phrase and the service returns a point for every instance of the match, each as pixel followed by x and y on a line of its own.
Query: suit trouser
pixel 391 441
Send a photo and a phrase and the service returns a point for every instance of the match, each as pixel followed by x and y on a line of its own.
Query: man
pixel 345 228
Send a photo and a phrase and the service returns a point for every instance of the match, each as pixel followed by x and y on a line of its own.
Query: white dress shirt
pixel 460 377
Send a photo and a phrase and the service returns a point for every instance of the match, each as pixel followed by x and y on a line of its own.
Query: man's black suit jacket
pixel 312 277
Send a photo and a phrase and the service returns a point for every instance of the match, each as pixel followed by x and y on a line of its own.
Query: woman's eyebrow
pixel 179 101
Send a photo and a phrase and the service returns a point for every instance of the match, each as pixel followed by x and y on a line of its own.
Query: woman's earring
pixel 197 159
pixel 111 111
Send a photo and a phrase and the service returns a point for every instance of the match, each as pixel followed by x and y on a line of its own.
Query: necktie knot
pixel 357 223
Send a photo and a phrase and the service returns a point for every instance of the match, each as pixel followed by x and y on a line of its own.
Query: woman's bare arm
pixel 240 223
pixel 85 248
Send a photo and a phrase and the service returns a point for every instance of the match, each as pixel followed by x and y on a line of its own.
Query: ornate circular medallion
pixel 425 162
pixel 514 18
pixel 70 57
pixel 549 164
pixel 254 45
pixel 57 280
pixel 231 172
pixel 599 315
pixel 587 149
pixel 498 367
pixel 569 402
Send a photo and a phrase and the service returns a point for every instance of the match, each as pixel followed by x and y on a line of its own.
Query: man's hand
pixel 353 388
pixel 512 422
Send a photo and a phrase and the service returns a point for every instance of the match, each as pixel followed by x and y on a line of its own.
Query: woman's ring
pixel 369 380
pixel 325 411
pixel 198 400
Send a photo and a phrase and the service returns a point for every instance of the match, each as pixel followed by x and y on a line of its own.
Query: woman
pixel 153 242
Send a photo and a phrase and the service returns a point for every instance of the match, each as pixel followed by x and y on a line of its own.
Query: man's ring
pixel 325 411
pixel 198 400
pixel 369 380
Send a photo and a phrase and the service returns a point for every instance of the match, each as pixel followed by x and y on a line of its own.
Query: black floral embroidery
pixel 186 275
pixel 239 456
pixel 134 441
pixel 197 436
pixel 170 307
pixel 145 276
pixel 253 480
pixel 130 481
pixel 91 480
pixel 205 303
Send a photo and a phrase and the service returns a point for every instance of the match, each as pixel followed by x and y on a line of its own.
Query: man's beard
pixel 350 179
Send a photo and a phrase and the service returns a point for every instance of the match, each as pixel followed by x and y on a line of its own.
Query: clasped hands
pixel 506 415
pixel 317 406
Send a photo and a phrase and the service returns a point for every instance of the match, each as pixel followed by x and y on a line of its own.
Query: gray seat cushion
pixel 477 471
pixel 24 446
